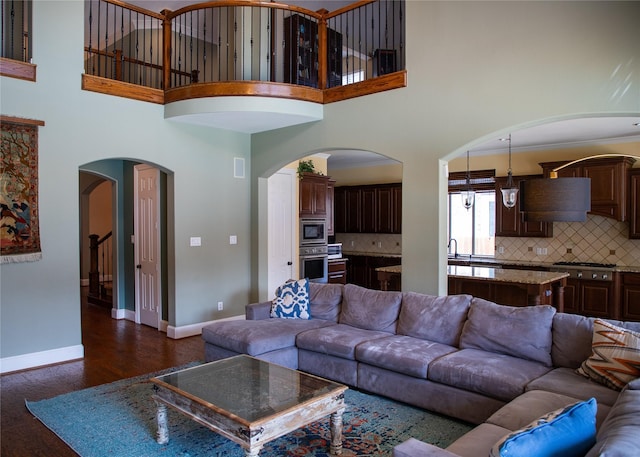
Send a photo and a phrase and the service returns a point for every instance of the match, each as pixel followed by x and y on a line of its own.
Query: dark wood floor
pixel 114 349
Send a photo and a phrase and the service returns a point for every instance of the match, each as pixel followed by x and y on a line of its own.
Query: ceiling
pixel 553 135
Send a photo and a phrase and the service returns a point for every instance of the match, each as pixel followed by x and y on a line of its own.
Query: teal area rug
pixel 118 419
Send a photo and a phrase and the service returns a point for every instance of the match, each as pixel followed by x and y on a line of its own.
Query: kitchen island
pixel 509 287
pixel 506 287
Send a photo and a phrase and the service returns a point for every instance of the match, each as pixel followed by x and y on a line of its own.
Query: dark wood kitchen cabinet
pixel 368 209
pixel 608 183
pixel 331 224
pixel 630 296
pixel 361 269
pixel 510 221
pixel 313 195
pixel 338 271
pixel 634 203
pixel 592 298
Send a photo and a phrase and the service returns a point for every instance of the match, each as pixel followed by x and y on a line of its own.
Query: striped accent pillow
pixel 615 358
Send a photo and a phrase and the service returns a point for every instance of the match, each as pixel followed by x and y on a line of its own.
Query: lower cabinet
pixel 592 298
pixel 338 271
pixel 630 297
pixel 361 269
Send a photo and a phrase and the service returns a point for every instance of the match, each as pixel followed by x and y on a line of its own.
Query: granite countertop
pixel 524 263
pixel 501 275
pixel 395 269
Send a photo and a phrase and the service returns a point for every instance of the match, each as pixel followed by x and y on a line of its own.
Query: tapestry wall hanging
pixel 19 231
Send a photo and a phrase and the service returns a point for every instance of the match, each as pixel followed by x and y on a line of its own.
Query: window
pixel 474 228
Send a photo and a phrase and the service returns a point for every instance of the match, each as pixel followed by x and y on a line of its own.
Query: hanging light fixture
pixel 559 199
pixel 468 195
pixel 509 191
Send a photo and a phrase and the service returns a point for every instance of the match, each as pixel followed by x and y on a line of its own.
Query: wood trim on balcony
pixel 122 89
pixel 391 81
pixel 244 88
pixel 17 69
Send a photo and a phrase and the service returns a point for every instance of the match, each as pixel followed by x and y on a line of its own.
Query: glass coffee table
pixel 249 401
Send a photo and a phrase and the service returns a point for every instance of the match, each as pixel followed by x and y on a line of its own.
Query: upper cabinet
pixel 313 195
pixel 510 221
pixel 608 183
pixel 368 209
pixel 330 207
pixel 634 203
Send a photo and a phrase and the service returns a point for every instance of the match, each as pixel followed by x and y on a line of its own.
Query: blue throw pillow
pixel 567 432
pixel 292 300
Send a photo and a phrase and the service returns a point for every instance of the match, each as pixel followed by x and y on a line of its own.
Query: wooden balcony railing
pixel 15 39
pixel 244 47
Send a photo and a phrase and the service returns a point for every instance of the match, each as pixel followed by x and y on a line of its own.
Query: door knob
pixel 138 266
pixel 289 263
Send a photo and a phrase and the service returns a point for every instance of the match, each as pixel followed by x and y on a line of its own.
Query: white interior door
pixel 282 207
pixel 147 245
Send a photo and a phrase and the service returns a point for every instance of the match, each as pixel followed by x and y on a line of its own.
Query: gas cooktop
pixel 586 264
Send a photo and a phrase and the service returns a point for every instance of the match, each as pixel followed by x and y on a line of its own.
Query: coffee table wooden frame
pixel 251 435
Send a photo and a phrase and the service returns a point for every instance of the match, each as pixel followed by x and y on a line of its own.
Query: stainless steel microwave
pixel 313 232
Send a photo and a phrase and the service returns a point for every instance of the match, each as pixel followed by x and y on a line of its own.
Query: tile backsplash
pixel 375 243
pixel 599 239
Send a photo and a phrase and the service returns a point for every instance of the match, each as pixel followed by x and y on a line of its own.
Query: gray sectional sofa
pixel 497 366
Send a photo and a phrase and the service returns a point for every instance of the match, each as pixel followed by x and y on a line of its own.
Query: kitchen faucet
pixel 455 252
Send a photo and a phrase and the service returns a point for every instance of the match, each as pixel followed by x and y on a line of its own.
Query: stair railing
pixel 100 272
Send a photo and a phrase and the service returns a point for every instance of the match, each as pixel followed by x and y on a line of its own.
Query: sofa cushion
pixel 338 340
pixel 324 300
pixel 566 381
pixel 619 435
pixel 572 335
pixel 370 309
pixel 616 356
pixel 292 300
pixel 496 375
pixel 258 337
pixel 569 432
pixel 433 318
pixel 402 354
pixel 519 332
pixel 477 442
pixel 532 404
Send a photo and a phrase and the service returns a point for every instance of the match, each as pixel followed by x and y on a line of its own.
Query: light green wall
pixel 40 301
pixel 474 70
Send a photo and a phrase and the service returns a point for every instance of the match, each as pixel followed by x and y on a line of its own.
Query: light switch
pixel 233 239
pixel 195 241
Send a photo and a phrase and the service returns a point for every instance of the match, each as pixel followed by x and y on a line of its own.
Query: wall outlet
pixel 379 244
pixel 220 306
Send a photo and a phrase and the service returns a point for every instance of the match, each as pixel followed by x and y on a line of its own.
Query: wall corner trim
pixel 37 359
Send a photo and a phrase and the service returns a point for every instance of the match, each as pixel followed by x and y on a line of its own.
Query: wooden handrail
pixel 202 87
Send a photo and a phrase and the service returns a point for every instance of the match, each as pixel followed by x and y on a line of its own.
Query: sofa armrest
pixel 415 448
pixel 258 311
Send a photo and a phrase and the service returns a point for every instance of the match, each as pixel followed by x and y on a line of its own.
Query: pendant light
pixel 509 191
pixel 468 195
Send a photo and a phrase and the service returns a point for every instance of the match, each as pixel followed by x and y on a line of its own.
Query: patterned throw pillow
pixel 292 300
pixel 566 432
pixel 615 359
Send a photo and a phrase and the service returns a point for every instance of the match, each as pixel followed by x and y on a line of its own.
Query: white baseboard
pixel 185 331
pixel 123 314
pixel 37 359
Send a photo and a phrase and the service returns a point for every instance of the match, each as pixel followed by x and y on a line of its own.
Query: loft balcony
pixel 243 65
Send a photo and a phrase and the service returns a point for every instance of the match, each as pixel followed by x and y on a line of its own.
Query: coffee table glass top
pixel 246 387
